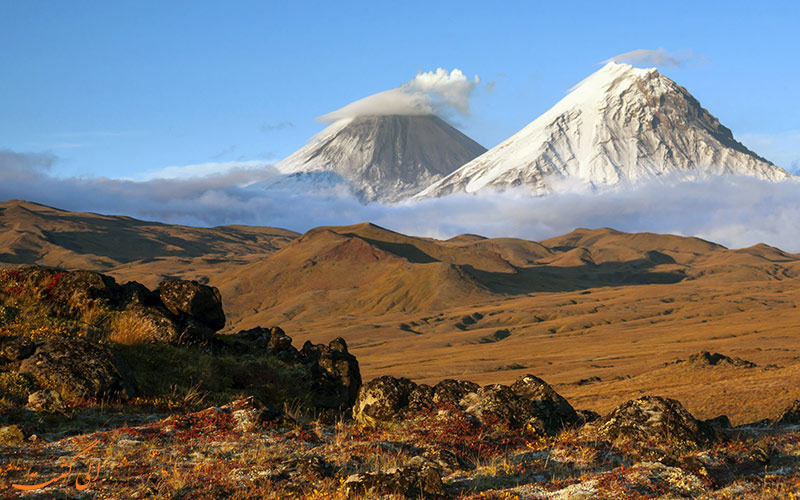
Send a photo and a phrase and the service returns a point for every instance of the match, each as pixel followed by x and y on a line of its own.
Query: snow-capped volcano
pixel 621 124
pixel 384 158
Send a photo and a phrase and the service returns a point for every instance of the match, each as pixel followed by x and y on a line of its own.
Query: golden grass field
pixel 593 303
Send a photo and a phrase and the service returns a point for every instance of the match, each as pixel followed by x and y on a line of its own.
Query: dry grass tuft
pixel 129 329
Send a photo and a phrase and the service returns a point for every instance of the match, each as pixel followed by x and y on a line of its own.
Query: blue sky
pixel 120 89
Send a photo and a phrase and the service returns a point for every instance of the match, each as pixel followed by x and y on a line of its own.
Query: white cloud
pixel 734 211
pixel 206 169
pixel 659 57
pixel 439 92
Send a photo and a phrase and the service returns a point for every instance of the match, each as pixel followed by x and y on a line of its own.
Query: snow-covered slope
pixel 621 124
pixel 385 158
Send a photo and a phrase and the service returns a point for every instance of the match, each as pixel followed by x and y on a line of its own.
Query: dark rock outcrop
pixel 705 359
pixel 530 402
pixel 80 368
pixel 548 407
pixel 451 392
pixel 335 376
pixel 789 416
pixel 411 482
pixel 199 302
pixel 654 418
pixel 382 400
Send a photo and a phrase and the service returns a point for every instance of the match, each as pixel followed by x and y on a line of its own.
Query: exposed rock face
pixel 497 402
pixel 790 416
pixel 654 417
pixel 272 340
pixel 200 302
pixel 704 359
pixel 451 392
pixel 529 402
pixel 548 407
pixel 330 372
pixel 334 372
pixel 382 400
pixel 80 367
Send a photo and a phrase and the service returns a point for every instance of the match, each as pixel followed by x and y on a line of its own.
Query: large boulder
pixel 451 392
pixel 335 376
pixel 382 400
pixel 654 418
pixel 200 302
pixel 551 411
pixel 530 402
pixel 80 368
pixel 497 403
pixel 79 289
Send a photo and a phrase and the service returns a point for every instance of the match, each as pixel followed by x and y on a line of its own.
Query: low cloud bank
pixel 734 211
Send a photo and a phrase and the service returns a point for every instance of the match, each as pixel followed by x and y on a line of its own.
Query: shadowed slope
pixel 36 234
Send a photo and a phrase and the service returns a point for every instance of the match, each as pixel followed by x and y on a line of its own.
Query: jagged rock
pixel 451 392
pixel 789 416
pixel 550 407
pixel 80 367
pixel 16 348
pixel 529 402
pixel 201 302
pixel 654 417
pixel 48 401
pixel 335 376
pixel 263 339
pixel 11 435
pixel 704 359
pixel 381 400
pixel 279 341
pixel 411 482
